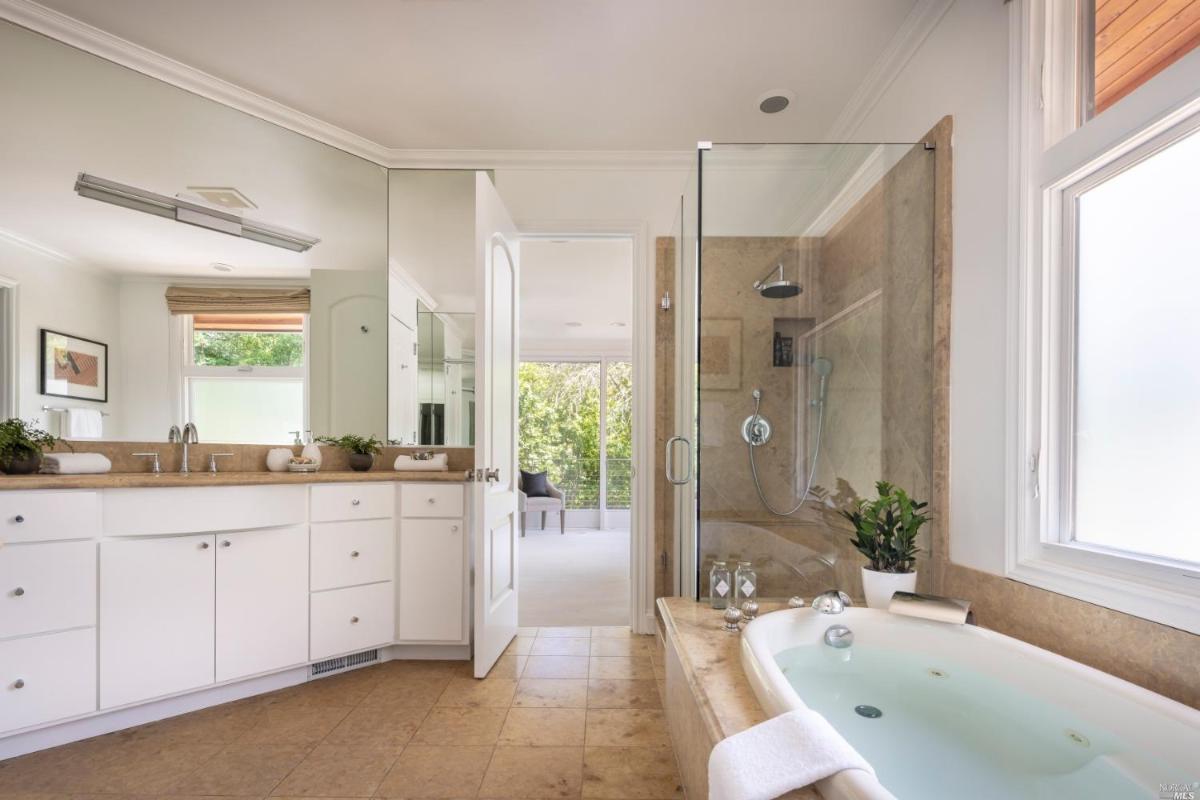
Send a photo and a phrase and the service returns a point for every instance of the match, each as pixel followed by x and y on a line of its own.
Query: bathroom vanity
pixel 126 598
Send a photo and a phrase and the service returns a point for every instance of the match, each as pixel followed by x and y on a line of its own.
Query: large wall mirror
pixel 165 259
pixel 446 378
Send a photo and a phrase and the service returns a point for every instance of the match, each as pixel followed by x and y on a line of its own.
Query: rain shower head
pixel 777 289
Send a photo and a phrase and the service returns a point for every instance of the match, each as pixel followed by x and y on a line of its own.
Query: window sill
pixel 1076 572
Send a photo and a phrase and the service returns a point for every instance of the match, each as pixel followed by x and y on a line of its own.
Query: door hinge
pixel 414 348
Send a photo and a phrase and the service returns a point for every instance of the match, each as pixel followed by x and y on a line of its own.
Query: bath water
pixel 947 731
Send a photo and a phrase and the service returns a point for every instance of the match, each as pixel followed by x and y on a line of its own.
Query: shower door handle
pixel 670 460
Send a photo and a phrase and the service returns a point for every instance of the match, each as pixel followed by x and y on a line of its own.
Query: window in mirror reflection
pixel 244 376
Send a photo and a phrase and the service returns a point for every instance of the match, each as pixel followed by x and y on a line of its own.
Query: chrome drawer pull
pixel 354 502
pixel 226 543
pixel 18 518
pixel 432 500
pixel 454 528
pixel 20 683
pixel 19 591
pixel 354 554
pixel 204 545
pixel 353 620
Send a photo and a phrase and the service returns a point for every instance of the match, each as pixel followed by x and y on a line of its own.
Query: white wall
pixel 961 70
pixel 149 402
pixel 68 298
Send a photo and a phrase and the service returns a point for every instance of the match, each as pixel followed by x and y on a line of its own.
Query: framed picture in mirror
pixel 73 367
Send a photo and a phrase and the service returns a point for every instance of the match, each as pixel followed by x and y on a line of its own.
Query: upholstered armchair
pixel 557 501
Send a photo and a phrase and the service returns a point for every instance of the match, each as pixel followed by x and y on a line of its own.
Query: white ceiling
pixel 589 281
pixel 527 74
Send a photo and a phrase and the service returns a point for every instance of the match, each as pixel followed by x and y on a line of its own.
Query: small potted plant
pixel 885 531
pixel 362 449
pixel 21 446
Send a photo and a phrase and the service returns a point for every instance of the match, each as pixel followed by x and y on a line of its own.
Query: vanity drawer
pixel 431 500
pixel 47 587
pixel 200 509
pixel 352 553
pixel 349 501
pixel 45 515
pixel 44 678
pixel 346 620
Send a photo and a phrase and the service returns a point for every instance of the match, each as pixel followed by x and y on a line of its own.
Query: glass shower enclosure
pixel 803 337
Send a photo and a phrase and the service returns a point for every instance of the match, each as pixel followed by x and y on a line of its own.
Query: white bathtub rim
pixel 769 634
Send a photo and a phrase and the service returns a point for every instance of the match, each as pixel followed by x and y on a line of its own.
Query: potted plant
pixel 362 449
pixel 885 531
pixel 21 446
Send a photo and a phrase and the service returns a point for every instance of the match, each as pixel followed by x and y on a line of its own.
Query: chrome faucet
pixel 188 437
pixel 831 602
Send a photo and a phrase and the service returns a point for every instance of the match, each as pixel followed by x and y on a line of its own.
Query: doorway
pixel 576 431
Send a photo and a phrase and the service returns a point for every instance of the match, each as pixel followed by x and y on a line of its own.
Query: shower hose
pixel 812 470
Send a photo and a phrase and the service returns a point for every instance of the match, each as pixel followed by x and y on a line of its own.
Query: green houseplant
pixel 21 446
pixel 885 531
pixel 362 449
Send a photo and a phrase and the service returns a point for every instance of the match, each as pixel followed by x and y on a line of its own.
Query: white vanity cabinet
pixel 353 535
pixel 431 584
pixel 157 616
pixel 261 601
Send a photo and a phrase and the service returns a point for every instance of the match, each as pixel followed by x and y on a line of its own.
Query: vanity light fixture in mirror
pixel 120 194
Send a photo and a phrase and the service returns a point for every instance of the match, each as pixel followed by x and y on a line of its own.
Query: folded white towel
pixel 406 463
pixel 83 423
pixel 75 463
pixel 774 757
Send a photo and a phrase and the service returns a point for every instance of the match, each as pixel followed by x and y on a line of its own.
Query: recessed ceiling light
pixel 617 324
pixel 775 101
pixel 574 324
pixel 222 267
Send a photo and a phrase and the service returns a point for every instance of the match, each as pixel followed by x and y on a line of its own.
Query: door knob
pixel 354 554
pixel 354 502
pixel 353 620
pixel 19 591
pixel 19 683
pixel 226 543
pixel 18 518
pixel 204 545
pixel 491 475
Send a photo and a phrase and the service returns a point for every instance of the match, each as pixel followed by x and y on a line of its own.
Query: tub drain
pixel 870 712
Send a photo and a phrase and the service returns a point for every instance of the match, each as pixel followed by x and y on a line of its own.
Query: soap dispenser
pixel 311 450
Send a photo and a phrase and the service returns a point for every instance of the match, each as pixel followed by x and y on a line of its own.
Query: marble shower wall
pixel 867 307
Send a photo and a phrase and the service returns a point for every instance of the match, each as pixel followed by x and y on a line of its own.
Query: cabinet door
pixel 430 585
pixel 262 601
pixel 156 617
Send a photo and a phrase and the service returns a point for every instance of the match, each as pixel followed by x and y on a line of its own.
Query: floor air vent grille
pixel 344 662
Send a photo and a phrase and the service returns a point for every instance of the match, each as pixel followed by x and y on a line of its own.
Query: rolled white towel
pixel 774 757
pixel 406 463
pixel 75 463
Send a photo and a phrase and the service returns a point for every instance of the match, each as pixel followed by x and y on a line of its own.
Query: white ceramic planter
pixel 878 587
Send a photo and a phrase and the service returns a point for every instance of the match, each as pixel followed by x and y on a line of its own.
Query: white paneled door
pixel 495 519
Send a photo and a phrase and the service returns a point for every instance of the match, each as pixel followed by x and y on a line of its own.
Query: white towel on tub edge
pixel 787 752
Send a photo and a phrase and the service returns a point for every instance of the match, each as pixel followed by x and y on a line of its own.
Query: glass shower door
pixel 803 355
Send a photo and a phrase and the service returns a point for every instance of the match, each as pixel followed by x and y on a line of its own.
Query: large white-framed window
pixel 1105 323
pixel 243 377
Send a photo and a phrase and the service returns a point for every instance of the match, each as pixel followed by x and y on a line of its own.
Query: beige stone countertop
pixel 127 480
pixel 712 664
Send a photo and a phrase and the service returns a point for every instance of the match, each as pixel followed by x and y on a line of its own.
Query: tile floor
pixel 566 713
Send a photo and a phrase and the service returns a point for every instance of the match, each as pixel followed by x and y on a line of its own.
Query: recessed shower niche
pixel 790 344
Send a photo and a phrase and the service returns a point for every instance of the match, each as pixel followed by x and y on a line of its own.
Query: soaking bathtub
pixel 950 711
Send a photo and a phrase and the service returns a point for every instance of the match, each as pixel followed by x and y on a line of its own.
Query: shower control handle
pixel 670 460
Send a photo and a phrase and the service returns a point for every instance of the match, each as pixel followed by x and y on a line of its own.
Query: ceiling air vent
pixel 222 196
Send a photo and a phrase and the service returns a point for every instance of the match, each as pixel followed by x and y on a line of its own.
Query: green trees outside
pixel 560 428
pixel 247 348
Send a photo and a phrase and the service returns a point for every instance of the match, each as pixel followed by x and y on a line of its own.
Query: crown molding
pixel 913 32
pixel 90 39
